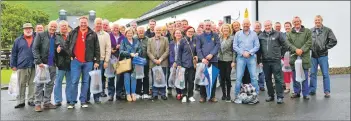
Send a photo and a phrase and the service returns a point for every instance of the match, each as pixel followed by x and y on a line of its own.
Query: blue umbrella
pixel 215 72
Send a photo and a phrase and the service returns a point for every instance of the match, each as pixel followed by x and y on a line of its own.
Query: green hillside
pixel 112 10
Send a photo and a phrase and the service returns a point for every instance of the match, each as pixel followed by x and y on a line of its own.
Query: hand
pixel 159 61
pixel 118 46
pixel 209 57
pixel 233 65
pixel 261 65
pixel 105 65
pixel 58 49
pixel 298 52
pixel 204 61
pixel 196 58
pixel 136 54
pixel 71 58
pixel 246 54
pixel 96 65
pixel 174 65
pixel 41 65
pixel 14 69
pixel 132 54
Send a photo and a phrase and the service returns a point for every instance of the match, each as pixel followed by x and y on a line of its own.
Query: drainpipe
pixel 256 10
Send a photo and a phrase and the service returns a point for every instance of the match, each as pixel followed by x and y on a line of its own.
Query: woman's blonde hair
pixel 129 29
pixel 230 29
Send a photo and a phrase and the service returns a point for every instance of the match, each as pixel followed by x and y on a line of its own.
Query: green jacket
pixel 300 40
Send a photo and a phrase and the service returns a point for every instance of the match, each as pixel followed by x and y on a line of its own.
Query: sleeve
pixel 214 51
pixel 36 50
pixel 151 56
pixel 14 52
pixel 108 49
pixel 259 55
pixel 198 48
pixel 306 47
pixel 331 40
pixel 166 53
pixel 139 49
pixel 256 45
pixel 123 51
pixel 236 47
pixel 283 43
pixel 96 49
pixel 291 47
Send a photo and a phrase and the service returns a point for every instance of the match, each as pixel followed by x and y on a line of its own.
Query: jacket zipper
pixel 268 43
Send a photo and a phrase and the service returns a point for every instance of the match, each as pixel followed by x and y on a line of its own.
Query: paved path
pixel 317 108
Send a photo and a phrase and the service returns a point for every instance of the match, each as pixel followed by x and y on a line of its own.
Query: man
pixel 185 24
pixel 22 61
pixel 179 25
pixel 169 31
pixel 299 42
pixel 214 29
pixel 150 32
pixel 271 43
pixel 134 26
pixel 157 51
pixel 44 48
pixel 106 26
pixel 62 62
pixel 207 47
pixel 220 23
pixel 105 53
pixel 142 87
pixel 260 75
pixel 277 26
pixel 323 39
pixel 201 25
pixel 84 50
pixel 39 28
pixel 246 44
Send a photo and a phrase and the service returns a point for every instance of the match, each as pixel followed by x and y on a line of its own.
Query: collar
pixel 242 31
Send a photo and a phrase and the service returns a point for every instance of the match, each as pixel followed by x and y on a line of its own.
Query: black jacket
pixel 322 41
pixel 149 34
pixel 92 47
pixel 41 47
pixel 63 61
pixel 270 46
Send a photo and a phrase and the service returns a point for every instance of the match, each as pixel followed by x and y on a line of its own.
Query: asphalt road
pixel 317 108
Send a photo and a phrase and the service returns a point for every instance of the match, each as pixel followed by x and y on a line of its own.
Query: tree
pixel 12 19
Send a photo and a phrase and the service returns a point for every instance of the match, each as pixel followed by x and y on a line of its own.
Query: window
pixel 228 19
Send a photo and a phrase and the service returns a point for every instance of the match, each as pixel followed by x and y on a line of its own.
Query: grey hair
pixel 63 22
pixel 52 22
pixel 105 21
pixel 97 19
pixel 140 28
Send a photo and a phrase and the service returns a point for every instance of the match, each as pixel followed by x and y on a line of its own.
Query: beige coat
pixel 105 46
pixel 164 51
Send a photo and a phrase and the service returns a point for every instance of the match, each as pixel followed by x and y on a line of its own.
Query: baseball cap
pixel 27 25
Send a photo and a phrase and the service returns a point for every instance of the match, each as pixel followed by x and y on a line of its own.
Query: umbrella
pixel 214 73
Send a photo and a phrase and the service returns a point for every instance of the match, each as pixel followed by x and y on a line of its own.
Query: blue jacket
pixel 171 56
pixel 126 48
pixel 21 55
pixel 185 57
pixel 205 47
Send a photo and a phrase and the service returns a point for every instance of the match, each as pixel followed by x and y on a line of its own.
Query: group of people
pixel 73 54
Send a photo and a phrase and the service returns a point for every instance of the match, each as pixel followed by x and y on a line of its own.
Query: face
pixel 199 31
pixel 129 34
pixel 134 25
pixel 158 31
pixel 225 30
pixel 201 25
pixel 122 30
pixel 115 29
pixel 98 25
pixel 236 27
pixel 267 26
pixel 318 22
pixel 213 28
pixel 152 25
pixel 178 34
pixel 178 24
pixel 220 23
pixel 28 31
pixel 106 26
pixel 170 28
pixel 278 27
pixel 185 24
pixel 246 25
pixel 287 27
pixel 83 24
pixel 208 26
pixel 297 23
pixel 257 27
pixel 141 32
pixel 52 28
pixel 39 28
pixel 190 32
pixel 63 28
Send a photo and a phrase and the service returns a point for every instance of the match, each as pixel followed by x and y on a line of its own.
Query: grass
pixel 112 10
pixel 5 76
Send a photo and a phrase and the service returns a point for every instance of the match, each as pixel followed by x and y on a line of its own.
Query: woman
pixel 130 48
pixel 186 55
pixel 173 55
pixel 122 29
pixel 287 75
pixel 226 60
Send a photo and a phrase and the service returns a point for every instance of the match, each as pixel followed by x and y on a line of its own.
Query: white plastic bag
pixel 233 74
pixel 14 84
pixel 259 70
pixel 96 83
pixel 300 74
pixel 139 71
pixel 180 78
pixel 109 71
pixel 42 75
pixel 172 77
pixel 158 77
pixel 199 75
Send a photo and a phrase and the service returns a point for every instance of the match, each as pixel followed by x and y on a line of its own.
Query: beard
pixel 28 34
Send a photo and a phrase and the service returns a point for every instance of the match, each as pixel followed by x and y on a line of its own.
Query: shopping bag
pixel 42 75
pixel 172 77
pixel 180 79
pixel 95 81
pixel 300 74
pixel 109 71
pixel 233 74
pixel 13 89
pixel 259 69
pixel 286 65
pixel 158 77
pixel 199 74
pixel 139 61
pixel 139 71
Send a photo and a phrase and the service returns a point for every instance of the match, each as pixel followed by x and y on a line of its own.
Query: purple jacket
pixel 114 43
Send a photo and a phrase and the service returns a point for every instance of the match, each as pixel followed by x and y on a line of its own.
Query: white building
pixel 336 15
pixel 124 21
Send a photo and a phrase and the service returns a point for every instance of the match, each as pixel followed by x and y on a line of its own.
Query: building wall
pixel 336 15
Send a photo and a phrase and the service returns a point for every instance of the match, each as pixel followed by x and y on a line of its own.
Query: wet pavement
pixel 317 108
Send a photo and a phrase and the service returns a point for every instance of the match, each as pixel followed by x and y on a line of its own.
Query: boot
pixel 228 93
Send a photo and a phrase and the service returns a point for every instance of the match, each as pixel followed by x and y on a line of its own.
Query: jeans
pixel 78 69
pixel 103 79
pixel 297 85
pixel 324 65
pixel 274 67
pixel 261 79
pixel 213 90
pixel 155 90
pixel 129 83
pixel 118 88
pixel 58 85
pixel 225 82
pixel 242 62
pixel 143 84
pixel 48 88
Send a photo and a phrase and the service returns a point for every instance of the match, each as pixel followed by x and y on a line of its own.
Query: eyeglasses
pixel 191 31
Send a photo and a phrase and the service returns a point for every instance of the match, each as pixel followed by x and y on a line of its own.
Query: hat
pixel 27 25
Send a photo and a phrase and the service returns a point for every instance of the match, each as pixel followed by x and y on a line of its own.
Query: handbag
pixel 123 65
pixel 194 59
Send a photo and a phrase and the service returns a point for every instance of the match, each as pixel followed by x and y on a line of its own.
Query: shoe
pixel 118 98
pixel 37 108
pixel 49 106
pixel 202 100
pixel 224 97
pixel 97 102
pixel 154 98
pixel 179 96
pixel 110 99
pixel 262 89
pixel 20 105
pixel 134 98
pixel 184 99
pixel 192 99
pixel 295 96
pixel 312 93
pixel 146 96
pixel 31 103
pixel 84 105
pixel 70 106
pixel 164 97
pixel 137 96
pixel 228 99
pixel 327 95
pixel 280 101
pixel 306 97
pixel 58 104
pixel 269 99
pixel 103 95
pixel 129 98
pixel 287 91
pixel 214 100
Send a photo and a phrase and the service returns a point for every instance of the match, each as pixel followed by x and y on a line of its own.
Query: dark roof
pixel 162 5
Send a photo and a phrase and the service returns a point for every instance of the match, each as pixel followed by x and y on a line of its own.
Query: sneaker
pixel 20 105
pixel 280 101
pixel 138 96
pixel 70 106
pixel 49 106
pixel 228 99
pixel 146 96
pixel 269 99
pixel 31 103
pixel 184 99
pixel 38 108
pixel 84 105
pixel 327 95
pixel 192 99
